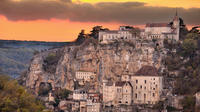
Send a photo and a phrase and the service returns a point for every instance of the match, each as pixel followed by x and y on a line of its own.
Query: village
pixel 135 83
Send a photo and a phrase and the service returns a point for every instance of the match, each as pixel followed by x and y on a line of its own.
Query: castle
pixel 152 31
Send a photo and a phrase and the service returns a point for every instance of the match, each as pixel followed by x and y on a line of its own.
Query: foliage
pixel 14 98
pixel 95 31
pixel 62 94
pixel 51 61
pixel 188 103
pixel 173 62
pixel 81 37
pixel 189 47
pixel 187 61
pixel 44 89
pixel 159 105
pixel 171 109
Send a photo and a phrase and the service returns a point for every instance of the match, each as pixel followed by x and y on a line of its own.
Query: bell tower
pixel 176 26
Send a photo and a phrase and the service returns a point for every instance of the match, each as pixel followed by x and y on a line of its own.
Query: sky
pixel 62 20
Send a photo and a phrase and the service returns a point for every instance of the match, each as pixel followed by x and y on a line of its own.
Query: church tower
pixel 176 26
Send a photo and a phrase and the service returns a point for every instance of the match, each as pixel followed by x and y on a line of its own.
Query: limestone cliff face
pixel 107 61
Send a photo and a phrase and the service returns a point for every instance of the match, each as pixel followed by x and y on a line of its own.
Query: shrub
pixel 51 61
pixel 44 89
pixel 14 98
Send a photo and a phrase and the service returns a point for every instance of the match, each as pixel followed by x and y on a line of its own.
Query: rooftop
pixel 157 25
pixel 147 71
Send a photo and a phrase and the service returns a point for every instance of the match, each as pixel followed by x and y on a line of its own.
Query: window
pixel 135 95
pixel 140 86
pixel 144 96
pixel 145 81
pixel 136 81
pixel 153 94
pixel 145 87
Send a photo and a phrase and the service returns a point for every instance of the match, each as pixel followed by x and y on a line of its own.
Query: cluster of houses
pixel 143 87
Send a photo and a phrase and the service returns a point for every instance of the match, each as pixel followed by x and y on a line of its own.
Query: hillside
pixel 15 56
pixel 58 66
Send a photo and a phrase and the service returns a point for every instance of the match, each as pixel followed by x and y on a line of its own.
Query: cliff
pixel 107 61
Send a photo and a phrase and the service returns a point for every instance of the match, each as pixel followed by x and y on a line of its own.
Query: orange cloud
pixel 44 30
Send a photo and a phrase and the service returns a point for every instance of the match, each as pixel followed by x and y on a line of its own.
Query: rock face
pixel 107 61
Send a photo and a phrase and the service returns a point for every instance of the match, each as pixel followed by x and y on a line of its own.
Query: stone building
pixel 118 93
pixel 108 92
pixel 124 33
pixel 93 105
pixel 85 76
pixel 160 31
pixel 83 106
pixel 80 94
pixel 124 92
pixel 147 86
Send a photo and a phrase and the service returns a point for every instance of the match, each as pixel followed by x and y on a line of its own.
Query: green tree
pixel 95 31
pixel 188 103
pixel 189 47
pixel 81 37
pixel 14 98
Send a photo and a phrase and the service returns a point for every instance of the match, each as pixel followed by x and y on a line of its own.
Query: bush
pixel 188 103
pixel 62 94
pixel 44 89
pixel 51 61
pixel 14 98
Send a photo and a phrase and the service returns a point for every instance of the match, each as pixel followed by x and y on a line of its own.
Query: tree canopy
pixel 14 98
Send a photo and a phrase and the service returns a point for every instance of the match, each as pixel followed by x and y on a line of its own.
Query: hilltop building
pixel 123 34
pixel 161 31
pixel 147 86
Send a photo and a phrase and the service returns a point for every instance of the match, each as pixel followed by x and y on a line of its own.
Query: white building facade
pixel 86 76
pixel 80 94
pixel 161 31
pixel 118 93
pixel 124 33
pixel 147 89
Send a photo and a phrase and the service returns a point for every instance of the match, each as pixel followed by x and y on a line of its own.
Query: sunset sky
pixel 62 20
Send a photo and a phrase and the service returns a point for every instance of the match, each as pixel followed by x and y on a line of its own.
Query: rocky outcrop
pixel 107 61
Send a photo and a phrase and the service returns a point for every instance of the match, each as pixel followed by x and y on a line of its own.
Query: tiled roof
pixel 147 71
pixel 120 83
pixel 109 83
pixel 157 25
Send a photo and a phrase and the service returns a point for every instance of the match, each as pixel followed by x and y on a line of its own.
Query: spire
pixel 176 15
pixel 176 12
